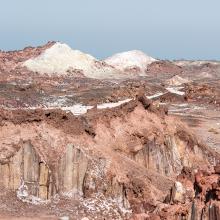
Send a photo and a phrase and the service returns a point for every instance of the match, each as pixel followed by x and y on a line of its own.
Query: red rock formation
pixel 109 152
pixel 131 162
pixel 164 67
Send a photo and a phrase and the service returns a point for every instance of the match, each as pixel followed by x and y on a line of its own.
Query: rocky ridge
pixel 37 162
pixel 137 147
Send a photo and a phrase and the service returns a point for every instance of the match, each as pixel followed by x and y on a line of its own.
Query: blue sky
pixel 166 29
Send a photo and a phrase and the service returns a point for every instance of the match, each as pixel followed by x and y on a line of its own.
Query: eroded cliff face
pixel 153 140
pixel 131 154
pixel 26 173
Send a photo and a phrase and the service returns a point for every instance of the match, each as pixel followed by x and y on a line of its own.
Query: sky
pixel 164 29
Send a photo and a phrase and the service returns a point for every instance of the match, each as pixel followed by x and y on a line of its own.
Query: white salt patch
pixel 188 115
pixel 80 109
pixel 22 191
pixel 175 91
pixel 181 105
pixel 198 108
pixel 178 87
pixel 155 95
pixel 130 59
pixel 22 194
pixel 112 104
pixel 77 109
pixel 179 110
pixel 179 187
pixel 64 218
pixel 105 205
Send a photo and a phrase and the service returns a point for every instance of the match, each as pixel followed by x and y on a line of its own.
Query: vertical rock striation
pixel 26 169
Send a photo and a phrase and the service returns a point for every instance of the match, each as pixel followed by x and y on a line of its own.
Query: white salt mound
pixel 60 58
pixel 130 59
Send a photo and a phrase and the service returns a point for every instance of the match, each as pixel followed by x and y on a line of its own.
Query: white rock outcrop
pixel 177 81
pixel 129 60
pixel 61 59
pixel 179 193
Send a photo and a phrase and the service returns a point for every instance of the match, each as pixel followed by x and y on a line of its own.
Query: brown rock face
pixel 27 173
pixel 112 154
pixel 205 93
pixel 10 60
pixel 164 67
pixel 71 169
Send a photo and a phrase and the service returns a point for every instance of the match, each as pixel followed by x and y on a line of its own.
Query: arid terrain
pixel 128 137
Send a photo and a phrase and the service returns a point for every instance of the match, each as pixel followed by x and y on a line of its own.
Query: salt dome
pixel 130 59
pixel 60 58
